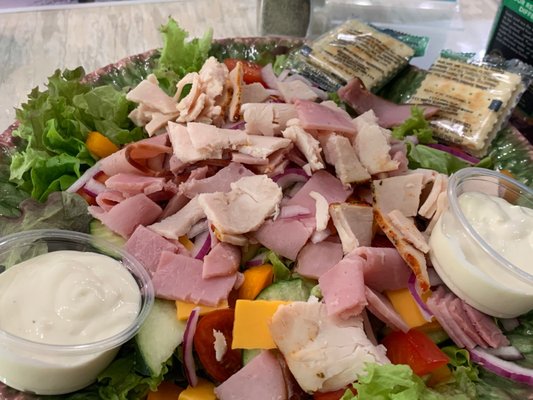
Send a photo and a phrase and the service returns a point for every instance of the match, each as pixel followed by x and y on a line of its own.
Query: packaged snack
pixel 355 49
pixel 475 99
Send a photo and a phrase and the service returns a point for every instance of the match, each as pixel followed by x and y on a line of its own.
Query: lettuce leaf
pixel 179 57
pixel 421 156
pixel 415 125
pixel 281 271
pixel 10 195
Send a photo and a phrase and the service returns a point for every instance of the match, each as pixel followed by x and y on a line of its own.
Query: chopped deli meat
pixel 146 246
pixel 223 260
pixel 429 207
pixel 260 379
pixel 372 145
pixel 389 114
pixel 254 93
pixel 128 214
pixel 296 90
pixel 263 146
pixel 485 326
pixel 442 205
pixel 323 354
pixel 317 258
pixel 220 182
pixel 324 183
pixel 267 119
pixel 340 153
pixel 108 199
pixel 382 308
pixel 317 116
pixel 308 145
pixel 179 224
pixel 384 268
pixel 251 200
pixel 131 184
pixel 398 193
pixel 236 84
pixel 409 230
pixel 179 277
pixel 343 288
pixel 414 258
pixel 322 211
pixel 354 223
pixel 286 237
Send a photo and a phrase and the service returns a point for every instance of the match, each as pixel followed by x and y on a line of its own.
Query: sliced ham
pixel 296 90
pixel 409 230
pixel 108 199
pixel 455 307
pixel 372 145
pixel 389 114
pixel 381 307
pixel 413 257
pixel 339 152
pixel 179 277
pixel 286 237
pixel 223 260
pixel 398 193
pixel 260 379
pixel 354 223
pixel 384 268
pixel 251 200
pixel 308 145
pixel 220 182
pixel 316 258
pixel 324 183
pixel 178 224
pixel 485 327
pixel 147 246
pixel 343 288
pixel 133 183
pixel 316 116
pixel 128 214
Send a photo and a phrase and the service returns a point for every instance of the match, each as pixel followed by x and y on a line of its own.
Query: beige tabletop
pixel 34 43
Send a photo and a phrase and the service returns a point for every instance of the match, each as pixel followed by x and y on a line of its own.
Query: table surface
pixel 35 43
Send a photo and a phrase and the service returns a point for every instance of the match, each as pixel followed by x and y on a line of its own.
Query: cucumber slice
pixel 159 336
pixel 249 354
pixel 103 232
pixel 289 290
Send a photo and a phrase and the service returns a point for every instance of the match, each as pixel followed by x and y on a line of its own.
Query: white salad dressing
pixel 64 298
pixel 474 274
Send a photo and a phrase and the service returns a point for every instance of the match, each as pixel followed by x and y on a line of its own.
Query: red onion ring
pixel 424 309
pixel 500 367
pixel 82 180
pixel 202 245
pixel 188 336
pixel 454 152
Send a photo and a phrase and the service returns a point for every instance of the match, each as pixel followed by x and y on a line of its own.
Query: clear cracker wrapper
pixel 355 49
pixel 475 98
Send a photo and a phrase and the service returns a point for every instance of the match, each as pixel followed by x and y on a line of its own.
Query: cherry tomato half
pixel 222 321
pixel 252 71
pixel 415 349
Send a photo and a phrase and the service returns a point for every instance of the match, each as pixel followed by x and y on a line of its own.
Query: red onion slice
pixel 500 367
pixel 94 188
pixel 259 259
pixel 424 309
pixel 82 180
pixel 202 245
pixel 290 176
pixel 188 336
pixel 454 152
pixel 196 229
pixel 509 353
pixel 269 77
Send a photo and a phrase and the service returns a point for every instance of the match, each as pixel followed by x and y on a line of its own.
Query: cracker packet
pixel 475 98
pixel 355 49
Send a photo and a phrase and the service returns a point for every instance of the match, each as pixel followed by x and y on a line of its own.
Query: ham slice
pixel 316 116
pixel 413 257
pixel 260 379
pixel 354 223
pixel 108 199
pixel 180 278
pixel 384 268
pixel 485 327
pixel 316 258
pixel 147 246
pixel 251 200
pixel 398 193
pixel 128 214
pixel 324 183
pixel 223 260
pixel 286 237
pixel 389 114
pixel 220 182
pixel 381 307
pixel 178 224
pixel 132 183
pixel 343 288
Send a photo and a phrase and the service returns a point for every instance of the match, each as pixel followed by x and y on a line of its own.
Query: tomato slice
pixel 222 321
pixel 252 71
pixel 415 349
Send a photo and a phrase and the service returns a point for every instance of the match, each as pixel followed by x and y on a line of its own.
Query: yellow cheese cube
pixel 204 390
pixel 251 329
pixel 405 305
pixel 184 309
